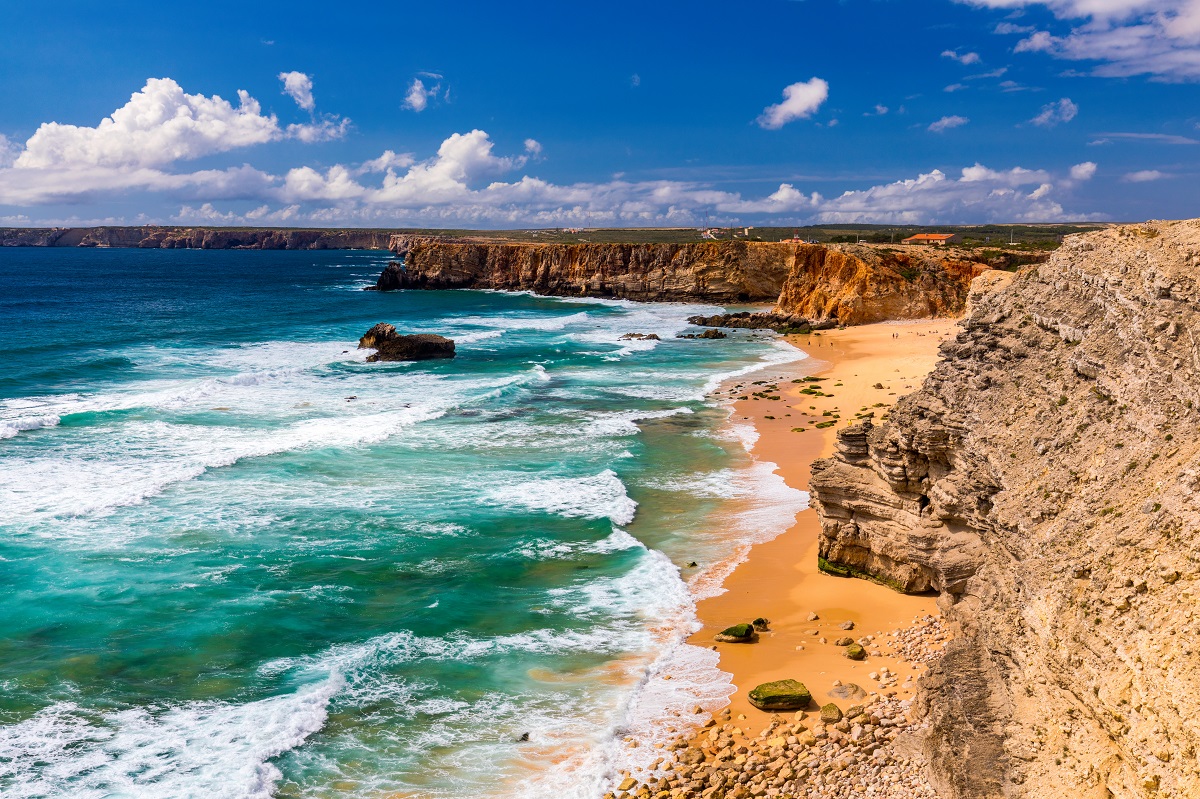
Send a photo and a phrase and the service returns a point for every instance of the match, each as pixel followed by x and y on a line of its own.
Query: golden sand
pixel 780 580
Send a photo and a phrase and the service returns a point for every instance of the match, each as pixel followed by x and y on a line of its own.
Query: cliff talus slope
pixel 1046 480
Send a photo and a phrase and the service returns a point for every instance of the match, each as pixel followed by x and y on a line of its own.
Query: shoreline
pixel 777 578
pixel 857 358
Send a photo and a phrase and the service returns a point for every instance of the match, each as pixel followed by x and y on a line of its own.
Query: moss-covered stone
pixel 831 713
pixel 737 634
pixel 780 695
pixel 856 652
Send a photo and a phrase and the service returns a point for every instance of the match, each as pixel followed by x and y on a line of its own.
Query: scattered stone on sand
pixel 851 755
pixel 843 641
pixel 855 652
pixel 813 617
pixel 849 690
pixel 737 634
pixel 780 695
pixel 846 625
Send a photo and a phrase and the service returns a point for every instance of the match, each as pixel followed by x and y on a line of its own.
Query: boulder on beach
pixel 737 634
pixel 831 713
pixel 848 690
pixel 780 695
pixel 855 652
pixel 392 346
pixel 761 624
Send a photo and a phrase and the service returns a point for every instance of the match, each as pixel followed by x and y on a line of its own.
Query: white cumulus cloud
pixel 1084 171
pixel 134 147
pixel 800 101
pixel 946 123
pixel 1054 113
pixel 159 125
pixel 966 59
pixel 1127 37
pixel 299 87
pixel 418 96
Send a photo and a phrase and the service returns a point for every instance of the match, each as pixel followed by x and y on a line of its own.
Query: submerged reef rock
pixel 780 695
pixel 1045 480
pixel 392 346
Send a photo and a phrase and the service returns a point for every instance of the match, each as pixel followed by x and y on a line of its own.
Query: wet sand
pixel 779 580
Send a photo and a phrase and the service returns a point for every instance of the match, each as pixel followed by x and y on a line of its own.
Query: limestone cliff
pixel 1046 480
pixel 844 283
pixel 857 284
pixel 708 272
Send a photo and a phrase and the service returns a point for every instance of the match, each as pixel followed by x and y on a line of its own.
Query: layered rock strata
pixel 846 284
pixel 1046 481
pixel 856 284
pixel 709 272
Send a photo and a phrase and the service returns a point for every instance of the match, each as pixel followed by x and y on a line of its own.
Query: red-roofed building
pixel 937 239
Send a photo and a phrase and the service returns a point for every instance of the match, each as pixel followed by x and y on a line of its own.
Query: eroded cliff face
pixel 707 272
pixel 1046 480
pixel 857 285
pixel 198 238
pixel 844 283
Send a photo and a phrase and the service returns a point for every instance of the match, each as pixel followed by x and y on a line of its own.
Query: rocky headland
pixel 843 283
pixel 1045 481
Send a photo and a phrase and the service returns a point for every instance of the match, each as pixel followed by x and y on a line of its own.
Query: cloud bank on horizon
pixel 162 127
pixel 185 158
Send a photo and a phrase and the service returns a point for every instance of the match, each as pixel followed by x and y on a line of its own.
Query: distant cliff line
pixel 206 238
pixel 850 284
pixel 846 283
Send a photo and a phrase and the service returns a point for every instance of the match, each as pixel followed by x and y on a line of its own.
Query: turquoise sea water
pixel 239 561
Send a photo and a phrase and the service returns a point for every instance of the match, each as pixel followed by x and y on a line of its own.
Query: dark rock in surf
pixel 390 279
pixel 392 346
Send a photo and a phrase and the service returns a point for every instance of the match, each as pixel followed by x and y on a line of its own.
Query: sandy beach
pixel 779 580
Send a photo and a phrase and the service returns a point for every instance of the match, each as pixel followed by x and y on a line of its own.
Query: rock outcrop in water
pixel 392 346
pixel 1046 480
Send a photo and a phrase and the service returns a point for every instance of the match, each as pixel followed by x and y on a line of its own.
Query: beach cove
pixel 851 373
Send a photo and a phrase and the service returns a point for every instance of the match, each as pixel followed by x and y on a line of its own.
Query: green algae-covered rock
pixel 831 713
pixel 855 652
pixel 737 634
pixel 780 695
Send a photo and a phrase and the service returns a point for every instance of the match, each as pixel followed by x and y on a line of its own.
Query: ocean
pixel 241 562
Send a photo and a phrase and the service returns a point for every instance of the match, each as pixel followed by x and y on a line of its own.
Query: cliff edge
pixel 1046 481
pixel 847 284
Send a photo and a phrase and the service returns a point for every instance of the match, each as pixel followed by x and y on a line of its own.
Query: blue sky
pixel 614 114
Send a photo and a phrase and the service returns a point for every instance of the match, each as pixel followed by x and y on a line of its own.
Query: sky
pixel 615 114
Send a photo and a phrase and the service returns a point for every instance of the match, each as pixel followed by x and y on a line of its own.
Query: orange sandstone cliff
pixel 847 284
